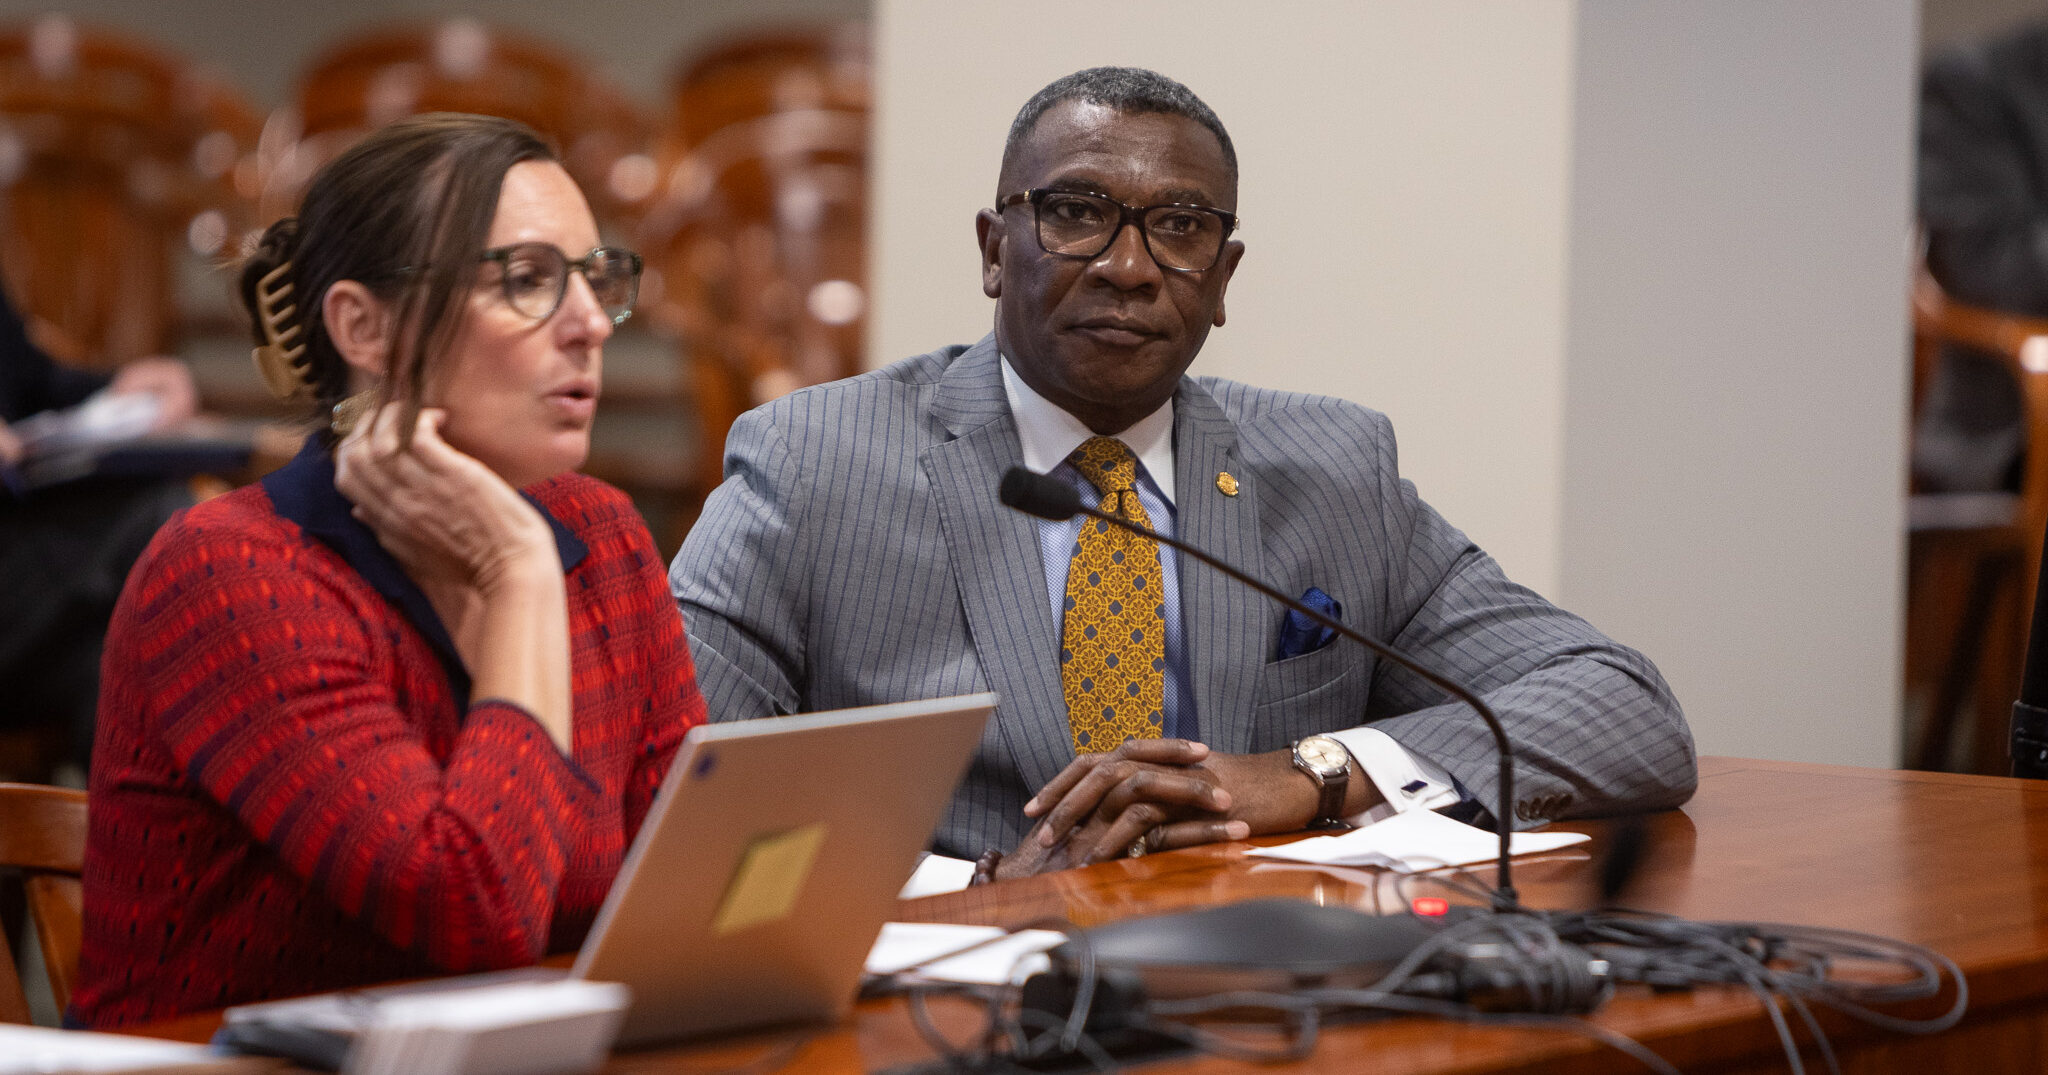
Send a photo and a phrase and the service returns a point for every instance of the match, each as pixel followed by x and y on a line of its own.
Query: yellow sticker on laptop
pixel 770 877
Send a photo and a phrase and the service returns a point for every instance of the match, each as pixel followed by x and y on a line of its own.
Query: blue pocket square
pixel 1299 634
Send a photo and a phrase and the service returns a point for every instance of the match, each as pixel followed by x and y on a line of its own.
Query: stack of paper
pixel 497 1026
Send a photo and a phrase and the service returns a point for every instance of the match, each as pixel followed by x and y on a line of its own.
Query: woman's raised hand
pixel 445 517
pixel 484 556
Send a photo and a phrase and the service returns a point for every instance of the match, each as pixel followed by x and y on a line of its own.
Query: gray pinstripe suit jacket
pixel 856 554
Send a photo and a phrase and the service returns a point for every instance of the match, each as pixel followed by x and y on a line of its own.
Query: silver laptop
pixel 769 861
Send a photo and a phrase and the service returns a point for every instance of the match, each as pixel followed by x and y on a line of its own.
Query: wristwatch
pixel 1328 763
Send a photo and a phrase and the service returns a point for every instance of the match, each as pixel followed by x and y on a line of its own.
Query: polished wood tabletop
pixel 1956 863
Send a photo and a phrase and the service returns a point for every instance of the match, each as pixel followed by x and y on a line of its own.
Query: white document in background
pixel 104 418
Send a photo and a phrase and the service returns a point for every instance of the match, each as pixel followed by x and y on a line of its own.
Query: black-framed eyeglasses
pixel 1185 238
pixel 535 277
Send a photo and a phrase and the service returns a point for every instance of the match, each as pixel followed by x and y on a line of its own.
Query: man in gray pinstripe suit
pixel 856 552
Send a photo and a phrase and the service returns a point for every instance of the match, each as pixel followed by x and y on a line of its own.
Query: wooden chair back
pixel 790 71
pixel 1975 557
pixel 461 65
pixel 759 233
pixel 42 847
pixel 119 166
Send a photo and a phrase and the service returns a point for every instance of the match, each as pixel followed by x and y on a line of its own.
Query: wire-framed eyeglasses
pixel 1181 237
pixel 535 277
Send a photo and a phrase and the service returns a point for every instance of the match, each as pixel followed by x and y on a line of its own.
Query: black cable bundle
pixel 1519 968
pixel 1787 967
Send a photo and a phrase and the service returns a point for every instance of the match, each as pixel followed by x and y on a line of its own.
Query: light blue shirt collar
pixel 1049 434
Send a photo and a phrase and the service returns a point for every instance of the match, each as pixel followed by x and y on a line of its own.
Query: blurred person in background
pixel 66 548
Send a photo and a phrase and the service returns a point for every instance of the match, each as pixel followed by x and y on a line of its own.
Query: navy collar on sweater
pixel 303 491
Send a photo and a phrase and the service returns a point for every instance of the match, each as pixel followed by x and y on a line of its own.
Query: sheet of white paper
pixel 1010 959
pixel 37 1049
pixel 937 874
pixel 104 418
pixel 1416 840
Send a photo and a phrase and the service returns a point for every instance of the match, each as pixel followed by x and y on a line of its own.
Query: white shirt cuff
pixel 1406 781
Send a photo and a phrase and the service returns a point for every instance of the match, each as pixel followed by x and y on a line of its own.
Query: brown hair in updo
pixel 406 213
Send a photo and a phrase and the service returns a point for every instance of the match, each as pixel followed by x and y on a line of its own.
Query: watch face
pixel 1324 753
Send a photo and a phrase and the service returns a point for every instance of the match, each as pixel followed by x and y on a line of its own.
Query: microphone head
pixel 1036 494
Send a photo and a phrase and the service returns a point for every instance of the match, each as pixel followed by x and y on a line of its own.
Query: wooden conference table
pixel 1957 863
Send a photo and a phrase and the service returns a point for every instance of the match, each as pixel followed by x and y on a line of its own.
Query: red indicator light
pixel 1431 906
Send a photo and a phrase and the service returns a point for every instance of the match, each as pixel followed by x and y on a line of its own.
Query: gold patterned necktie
pixel 1113 641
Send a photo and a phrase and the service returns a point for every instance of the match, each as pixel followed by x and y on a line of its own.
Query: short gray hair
pixel 1125 89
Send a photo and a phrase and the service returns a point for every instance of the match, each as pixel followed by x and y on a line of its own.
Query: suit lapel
pixel 994 551
pixel 1224 620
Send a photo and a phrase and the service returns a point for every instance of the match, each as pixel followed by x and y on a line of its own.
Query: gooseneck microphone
pixel 1049 498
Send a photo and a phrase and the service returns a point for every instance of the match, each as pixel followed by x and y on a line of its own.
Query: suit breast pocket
pixel 1315 692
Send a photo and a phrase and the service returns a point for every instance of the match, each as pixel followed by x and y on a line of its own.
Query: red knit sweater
pixel 288 795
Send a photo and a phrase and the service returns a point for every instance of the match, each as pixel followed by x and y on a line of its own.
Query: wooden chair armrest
pixel 2021 344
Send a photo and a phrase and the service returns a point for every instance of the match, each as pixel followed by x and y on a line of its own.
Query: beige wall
pixel 1735 395
pixel 1626 274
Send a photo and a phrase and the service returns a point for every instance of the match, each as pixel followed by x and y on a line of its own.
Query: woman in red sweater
pixel 398 709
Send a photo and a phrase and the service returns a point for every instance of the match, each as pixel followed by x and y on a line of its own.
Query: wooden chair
pixel 460 65
pixel 42 846
pixel 758 235
pixel 1974 557
pixel 792 70
pixel 118 171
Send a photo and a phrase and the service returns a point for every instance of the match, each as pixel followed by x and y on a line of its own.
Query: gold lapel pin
pixel 1226 484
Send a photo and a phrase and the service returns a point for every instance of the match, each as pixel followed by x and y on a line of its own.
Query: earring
pixel 350 411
